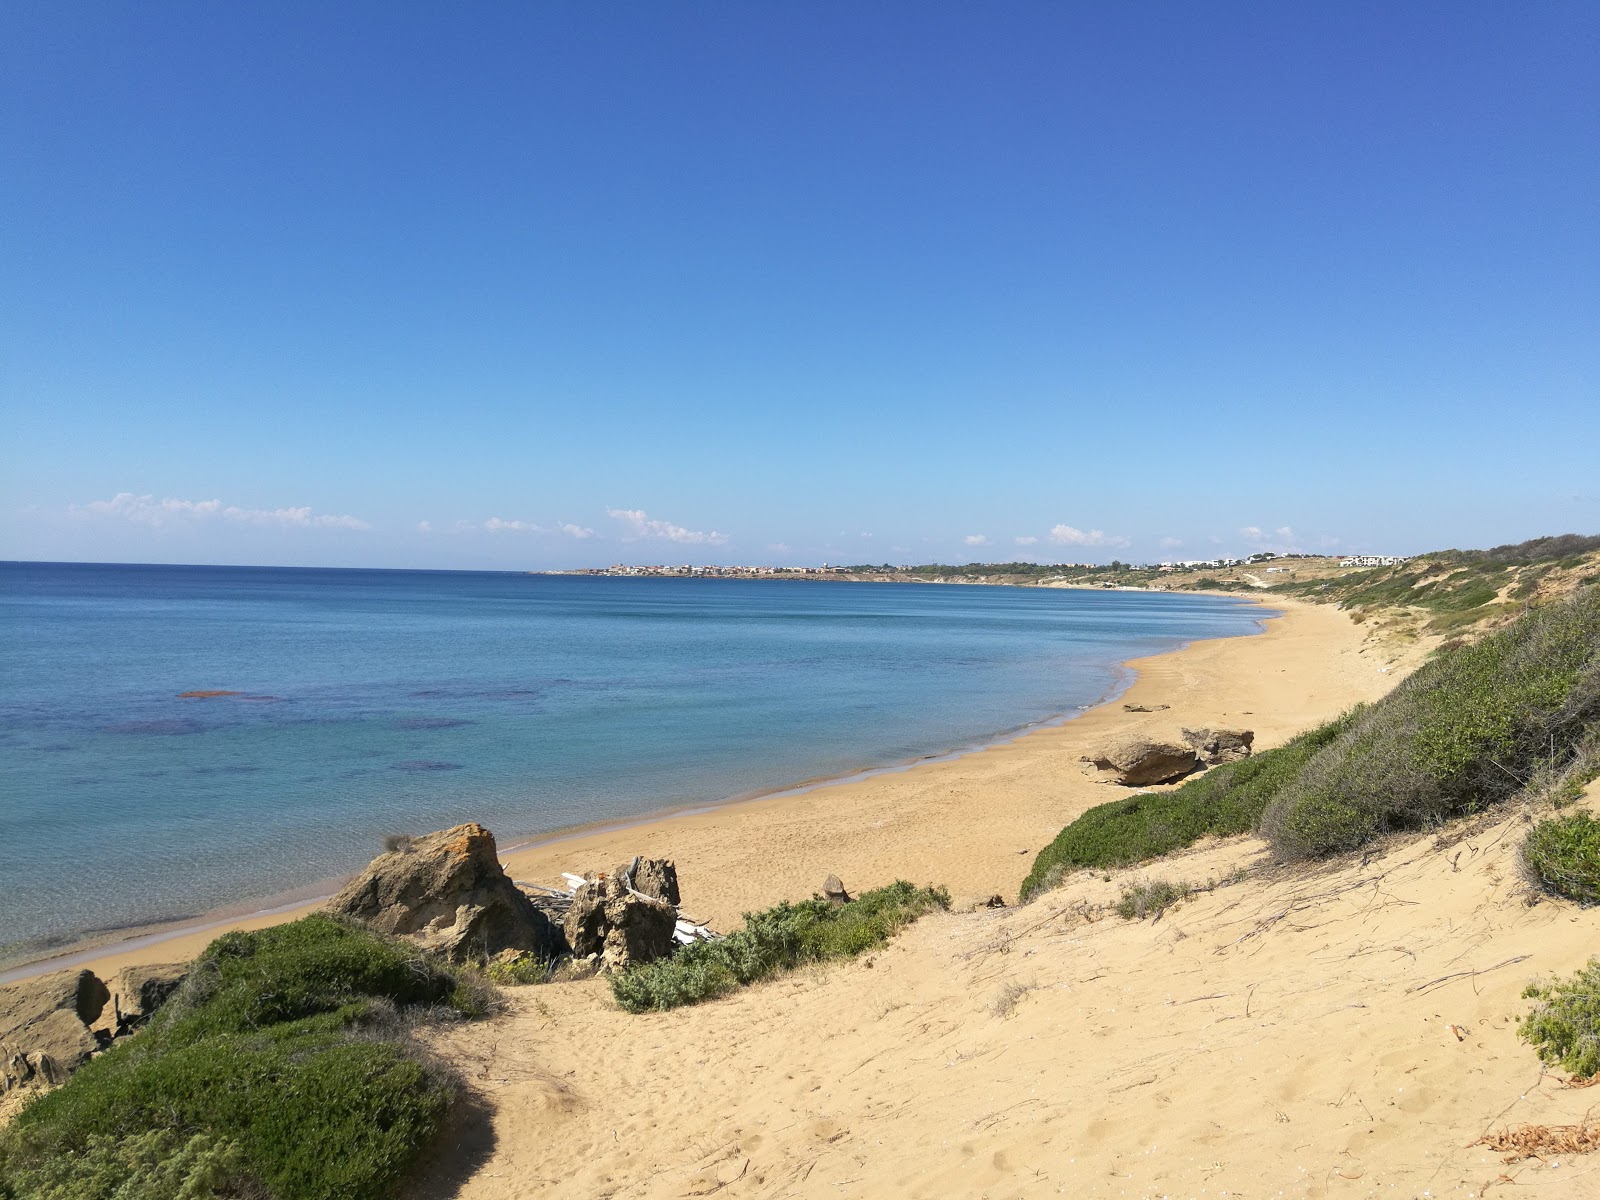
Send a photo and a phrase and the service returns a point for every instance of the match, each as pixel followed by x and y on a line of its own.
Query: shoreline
pixel 703 838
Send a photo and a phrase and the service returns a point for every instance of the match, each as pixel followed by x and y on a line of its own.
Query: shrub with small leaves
pixel 1150 898
pixel 1564 855
pixel 777 939
pixel 1564 1027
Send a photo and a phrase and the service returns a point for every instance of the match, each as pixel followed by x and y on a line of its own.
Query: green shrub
pixel 281 1066
pixel 774 940
pixel 1150 898
pixel 156 1165
pixel 1223 802
pixel 1468 729
pixel 1564 855
pixel 1564 1027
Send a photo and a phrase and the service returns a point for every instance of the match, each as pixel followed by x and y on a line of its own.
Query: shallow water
pixel 375 702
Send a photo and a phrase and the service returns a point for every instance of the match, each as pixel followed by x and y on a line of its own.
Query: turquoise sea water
pixel 377 702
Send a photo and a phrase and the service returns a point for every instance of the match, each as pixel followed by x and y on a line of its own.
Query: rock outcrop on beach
pixel 626 917
pixel 45 1031
pixel 1140 760
pixel 1220 745
pixel 136 992
pixel 447 892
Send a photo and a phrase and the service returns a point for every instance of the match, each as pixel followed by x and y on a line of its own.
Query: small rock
pixel 833 890
pixel 1220 745
pixel 966 904
pixel 1145 707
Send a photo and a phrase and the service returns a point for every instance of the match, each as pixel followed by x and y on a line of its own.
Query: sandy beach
pixel 972 823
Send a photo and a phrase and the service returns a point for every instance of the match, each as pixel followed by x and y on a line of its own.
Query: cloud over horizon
pixel 976 539
pixel 1066 535
pixel 640 524
pixel 147 510
pixel 568 529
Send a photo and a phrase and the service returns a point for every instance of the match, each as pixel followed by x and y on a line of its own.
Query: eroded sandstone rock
pixel 44 1026
pixel 447 892
pixel 1140 760
pixel 1220 745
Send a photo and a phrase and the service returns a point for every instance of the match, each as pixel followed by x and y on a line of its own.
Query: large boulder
pixel 1140 760
pixel 638 930
pixel 44 1027
pixel 1220 745
pixel 448 893
pixel 626 917
pixel 137 992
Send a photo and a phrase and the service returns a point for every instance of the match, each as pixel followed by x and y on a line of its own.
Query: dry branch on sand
pixel 1538 1141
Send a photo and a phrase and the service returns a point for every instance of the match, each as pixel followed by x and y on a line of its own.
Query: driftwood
pixel 556 901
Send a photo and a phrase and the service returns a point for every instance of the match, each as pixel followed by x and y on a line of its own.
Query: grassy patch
pixel 1150 898
pixel 521 971
pixel 281 1067
pixel 1468 729
pixel 1564 855
pixel 775 940
pixel 1564 1026
pixel 1225 801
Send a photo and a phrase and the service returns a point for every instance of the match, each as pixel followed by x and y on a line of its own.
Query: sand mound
pixel 1349 1032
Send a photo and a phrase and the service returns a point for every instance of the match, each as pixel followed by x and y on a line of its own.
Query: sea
pixel 357 704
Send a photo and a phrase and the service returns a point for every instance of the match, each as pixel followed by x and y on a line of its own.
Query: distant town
pixel 987 572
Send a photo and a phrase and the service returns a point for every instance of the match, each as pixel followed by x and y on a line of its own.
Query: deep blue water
pixel 377 702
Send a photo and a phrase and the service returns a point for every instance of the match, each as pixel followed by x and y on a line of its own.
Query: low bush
pixel 1563 854
pixel 1150 898
pixel 1564 1027
pixel 281 1067
pixel 775 940
pixel 1468 729
pixel 1223 802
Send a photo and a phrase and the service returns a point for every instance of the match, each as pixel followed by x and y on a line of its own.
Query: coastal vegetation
pixel 1516 712
pixel 283 1067
pixel 1469 729
pixel 1563 855
pixel 1225 801
pixel 777 939
pixel 1150 898
pixel 1458 588
pixel 1564 1026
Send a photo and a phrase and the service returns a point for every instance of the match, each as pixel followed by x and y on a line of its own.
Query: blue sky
pixel 510 285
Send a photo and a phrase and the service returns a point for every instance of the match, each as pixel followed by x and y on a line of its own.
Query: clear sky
pixel 558 284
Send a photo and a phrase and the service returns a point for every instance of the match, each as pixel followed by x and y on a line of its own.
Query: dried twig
pixel 1433 983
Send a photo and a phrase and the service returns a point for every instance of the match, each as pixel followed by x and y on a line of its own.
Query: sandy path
pixel 1277 1037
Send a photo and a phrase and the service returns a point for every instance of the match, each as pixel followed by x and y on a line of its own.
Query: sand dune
pixel 1287 1035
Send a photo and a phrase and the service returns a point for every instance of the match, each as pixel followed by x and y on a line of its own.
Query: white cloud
pixel 778 547
pixel 1281 539
pixel 500 525
pixel 1026 540
pixel 641 525
pixel 1170 543
pixel 1066 535
pixel 976 539
pixel 424 526
pixel 147 510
